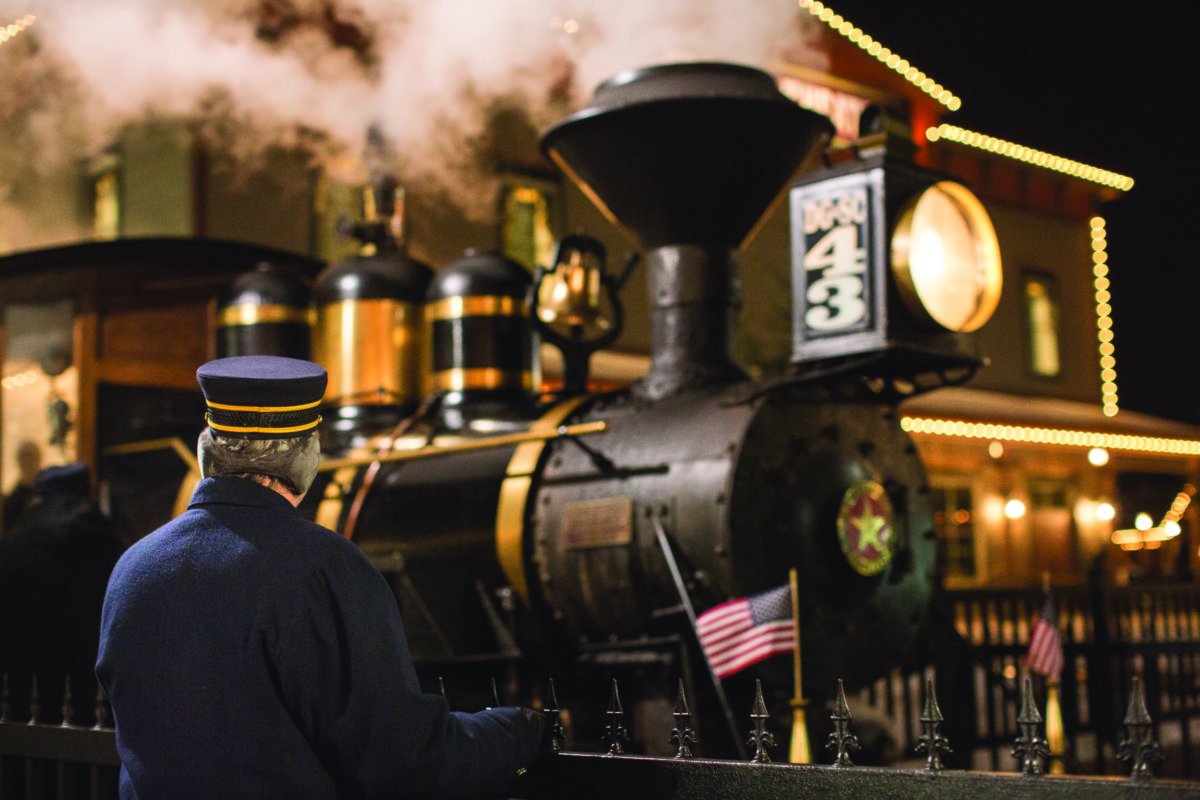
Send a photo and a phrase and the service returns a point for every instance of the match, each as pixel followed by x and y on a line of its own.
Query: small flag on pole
pixel 1045 654
pixel 740 632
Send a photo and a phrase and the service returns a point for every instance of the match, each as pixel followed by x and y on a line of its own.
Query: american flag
pixel 740 632
pixel 1045 655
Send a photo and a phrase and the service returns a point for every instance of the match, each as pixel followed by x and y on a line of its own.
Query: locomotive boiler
pixel 531 536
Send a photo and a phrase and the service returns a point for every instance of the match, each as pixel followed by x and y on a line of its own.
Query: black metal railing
pixel 64 760
pixel 973 644
pixel 556 775
pixel 971 652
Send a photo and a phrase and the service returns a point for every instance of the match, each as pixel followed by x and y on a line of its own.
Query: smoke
pixel 428 74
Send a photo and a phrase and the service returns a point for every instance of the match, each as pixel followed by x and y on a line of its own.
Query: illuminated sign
pixel 842 108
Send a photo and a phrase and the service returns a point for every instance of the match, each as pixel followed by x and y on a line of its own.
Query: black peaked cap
pixel 262 397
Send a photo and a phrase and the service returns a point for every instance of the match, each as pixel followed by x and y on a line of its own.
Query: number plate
pixel 834 276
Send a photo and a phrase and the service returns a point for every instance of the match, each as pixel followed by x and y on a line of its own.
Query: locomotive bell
pixel 266 311
pixel 570 291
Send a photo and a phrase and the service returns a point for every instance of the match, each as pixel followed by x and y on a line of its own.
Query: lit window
pixel 527 211
pixel 1042 323
pixel 106 205
pixel 954 523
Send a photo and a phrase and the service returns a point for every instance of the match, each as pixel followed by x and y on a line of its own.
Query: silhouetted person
pixel 54 567
pixel 22 496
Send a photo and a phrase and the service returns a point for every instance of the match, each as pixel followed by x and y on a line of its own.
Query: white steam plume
pixel 432 67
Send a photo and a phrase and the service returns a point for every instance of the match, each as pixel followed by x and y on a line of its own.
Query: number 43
pixel 835 299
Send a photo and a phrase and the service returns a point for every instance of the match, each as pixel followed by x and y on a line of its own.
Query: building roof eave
pixel 959 404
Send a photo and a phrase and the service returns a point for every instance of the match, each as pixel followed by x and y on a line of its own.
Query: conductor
pixel 250 653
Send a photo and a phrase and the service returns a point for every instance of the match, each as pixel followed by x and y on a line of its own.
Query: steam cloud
pixel 426 73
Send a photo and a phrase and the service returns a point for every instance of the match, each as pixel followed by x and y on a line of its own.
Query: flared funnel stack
pixel 686 153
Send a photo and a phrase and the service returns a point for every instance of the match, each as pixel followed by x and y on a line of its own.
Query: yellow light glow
pixel 1051 436
pixel 1097 456
pixel 914 76
pixel 1056 163
pixel 10 31
pixel 995 450
pixel 1105 512
pixel 1127 536
pixel 1014 509
pixel 1142 521
pixel 1108 372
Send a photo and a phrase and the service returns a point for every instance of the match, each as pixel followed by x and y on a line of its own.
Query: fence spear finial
pixel 682 734
pixel 558 736
pixel 841 738
pixel 761 738
pixel 68 708
pixel 1138 746
pixel 1030 747
pixel 615 731
pixel 35 702
pixel 932 743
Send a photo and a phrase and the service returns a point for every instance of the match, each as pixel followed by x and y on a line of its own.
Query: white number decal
pixel 837 252
pixel 836 303
pixel 836 298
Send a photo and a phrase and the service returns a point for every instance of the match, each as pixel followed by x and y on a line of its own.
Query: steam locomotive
pixel 576 534
pixel 530 536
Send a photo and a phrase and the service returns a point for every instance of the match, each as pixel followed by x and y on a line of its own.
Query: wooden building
pixel 1039 432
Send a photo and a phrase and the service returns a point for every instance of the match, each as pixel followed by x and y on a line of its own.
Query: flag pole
pixel 1054 718
pixel 665 545
pixel 800 752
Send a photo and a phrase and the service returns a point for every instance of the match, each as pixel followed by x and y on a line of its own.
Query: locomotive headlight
pixel 946 259
pixel 890 258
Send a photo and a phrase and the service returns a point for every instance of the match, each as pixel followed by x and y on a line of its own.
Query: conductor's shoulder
pixel 330 543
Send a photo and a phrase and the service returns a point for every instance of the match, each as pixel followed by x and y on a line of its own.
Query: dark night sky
pixel 1107 84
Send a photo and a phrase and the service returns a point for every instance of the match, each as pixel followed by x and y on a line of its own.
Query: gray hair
pixel 291 462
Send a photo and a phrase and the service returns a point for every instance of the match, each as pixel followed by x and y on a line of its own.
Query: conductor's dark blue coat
pixel 250 653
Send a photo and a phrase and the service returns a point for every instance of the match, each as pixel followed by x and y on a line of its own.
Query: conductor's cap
pixel 262 397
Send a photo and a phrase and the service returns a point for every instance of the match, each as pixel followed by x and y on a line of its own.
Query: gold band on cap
pixel 235 429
